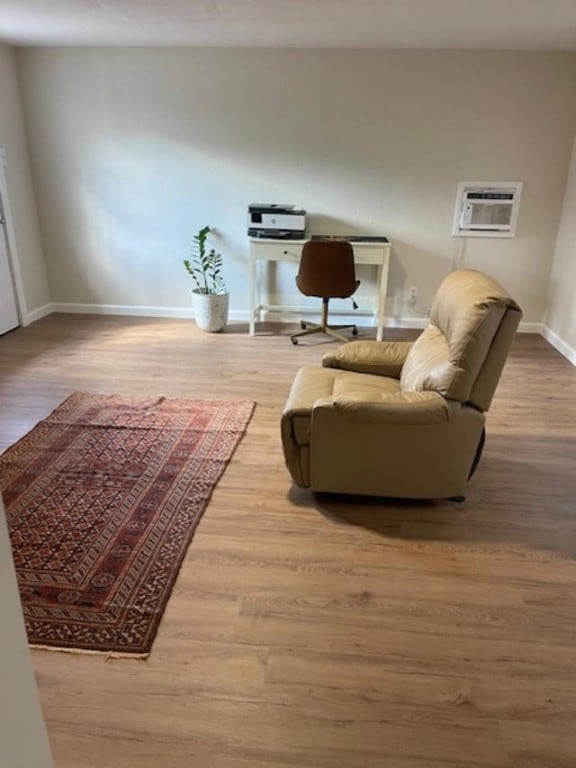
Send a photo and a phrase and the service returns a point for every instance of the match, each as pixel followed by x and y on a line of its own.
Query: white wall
pixel 23 739
pixel 561 315
pixel 134 149
pixel 20 192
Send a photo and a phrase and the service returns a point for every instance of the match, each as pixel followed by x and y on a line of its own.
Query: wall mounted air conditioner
pixel 486 208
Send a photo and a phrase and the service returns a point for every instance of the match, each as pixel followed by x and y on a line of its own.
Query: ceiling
pixel 432 24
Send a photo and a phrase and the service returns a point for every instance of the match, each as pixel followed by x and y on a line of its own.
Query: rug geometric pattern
pixel 102 500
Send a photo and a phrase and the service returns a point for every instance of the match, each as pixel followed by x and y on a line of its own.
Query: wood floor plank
pixel 318 631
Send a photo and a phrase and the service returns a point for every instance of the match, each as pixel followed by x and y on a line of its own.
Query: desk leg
pixel 251 321
pixel 382 287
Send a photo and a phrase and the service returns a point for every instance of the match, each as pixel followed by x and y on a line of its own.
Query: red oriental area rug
pixel 102 500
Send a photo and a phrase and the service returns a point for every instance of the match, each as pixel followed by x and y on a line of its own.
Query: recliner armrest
pixel 382 358
pixel 424 407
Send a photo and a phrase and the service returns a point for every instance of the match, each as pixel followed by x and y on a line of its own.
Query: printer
pixel 276 220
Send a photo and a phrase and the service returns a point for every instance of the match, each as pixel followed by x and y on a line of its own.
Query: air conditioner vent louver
pixel 486 209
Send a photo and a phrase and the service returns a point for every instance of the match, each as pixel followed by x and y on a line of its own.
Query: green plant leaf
pixel 204 266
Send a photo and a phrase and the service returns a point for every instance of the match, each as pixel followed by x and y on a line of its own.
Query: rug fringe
pixel 87 652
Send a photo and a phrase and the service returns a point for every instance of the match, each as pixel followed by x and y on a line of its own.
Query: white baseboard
pixel 363 318
pixel 391 322
pixel 137 311
pixel 121 309
pixel 559 344
pixel 531 328
pixel 37 314
pixel 364 321
pixel 237 315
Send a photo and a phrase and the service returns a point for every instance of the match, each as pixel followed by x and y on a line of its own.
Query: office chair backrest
pixel 327 269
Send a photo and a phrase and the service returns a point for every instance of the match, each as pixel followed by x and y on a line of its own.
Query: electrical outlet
pixel 413 296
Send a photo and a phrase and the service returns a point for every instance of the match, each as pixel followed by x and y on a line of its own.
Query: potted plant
pixel 209 297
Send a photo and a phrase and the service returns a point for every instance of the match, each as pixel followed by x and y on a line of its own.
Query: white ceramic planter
pixel 210 310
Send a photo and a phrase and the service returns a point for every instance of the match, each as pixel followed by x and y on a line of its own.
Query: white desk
pixel 264 250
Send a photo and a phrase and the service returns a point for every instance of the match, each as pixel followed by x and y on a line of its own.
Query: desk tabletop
pixel 354 239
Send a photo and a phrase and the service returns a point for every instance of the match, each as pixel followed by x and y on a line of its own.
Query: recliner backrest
pixel 462 351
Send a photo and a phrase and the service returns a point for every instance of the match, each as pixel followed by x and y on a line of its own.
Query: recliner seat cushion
pixel 314 383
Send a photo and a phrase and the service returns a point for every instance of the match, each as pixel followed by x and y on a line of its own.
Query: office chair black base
pixel 329 330
pixel 304 325
pixel 323 327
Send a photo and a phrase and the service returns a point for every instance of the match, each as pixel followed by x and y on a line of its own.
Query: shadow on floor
pixel 523 492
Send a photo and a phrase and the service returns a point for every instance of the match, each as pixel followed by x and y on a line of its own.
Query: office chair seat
pixel 327 272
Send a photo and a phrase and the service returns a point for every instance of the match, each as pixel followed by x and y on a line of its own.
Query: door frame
pixel 11 248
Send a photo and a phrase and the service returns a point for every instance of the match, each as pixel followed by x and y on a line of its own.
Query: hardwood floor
pixel 327 632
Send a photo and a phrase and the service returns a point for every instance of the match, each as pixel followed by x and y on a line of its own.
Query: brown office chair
pixel 327 271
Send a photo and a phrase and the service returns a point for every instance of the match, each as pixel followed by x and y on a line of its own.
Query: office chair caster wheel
pixel 354 331
pixel 302 325
pixel 294 341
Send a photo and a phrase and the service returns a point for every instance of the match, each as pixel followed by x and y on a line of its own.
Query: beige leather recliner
pixel 404 419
